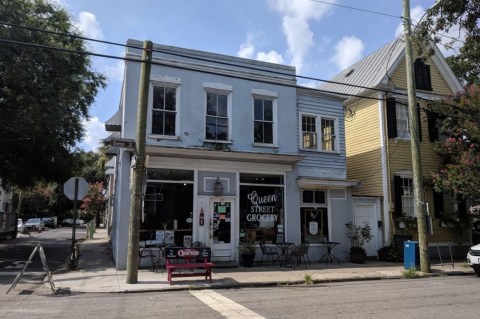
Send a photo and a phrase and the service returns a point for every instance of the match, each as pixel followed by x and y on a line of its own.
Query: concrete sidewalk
pixel 96 273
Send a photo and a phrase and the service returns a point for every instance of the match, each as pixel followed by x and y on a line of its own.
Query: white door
pixel 366 212
pixel 220 217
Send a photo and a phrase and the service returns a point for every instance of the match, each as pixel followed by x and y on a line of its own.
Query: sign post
pixel 75 188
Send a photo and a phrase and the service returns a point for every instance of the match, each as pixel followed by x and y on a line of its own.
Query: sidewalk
pixel 97 273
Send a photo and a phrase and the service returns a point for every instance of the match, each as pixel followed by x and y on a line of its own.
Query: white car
pixel 473 258
pixel 35 224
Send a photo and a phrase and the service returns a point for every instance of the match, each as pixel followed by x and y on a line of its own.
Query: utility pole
pixel 138 163
pixel 415 145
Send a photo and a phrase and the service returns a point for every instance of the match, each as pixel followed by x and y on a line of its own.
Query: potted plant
pixel 359 236
pixel 247 252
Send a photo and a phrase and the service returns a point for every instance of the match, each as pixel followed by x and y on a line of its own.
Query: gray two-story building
pixel 235 151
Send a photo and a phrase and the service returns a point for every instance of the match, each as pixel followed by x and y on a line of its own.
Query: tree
pixel 45 93
pixel 90 165
pixel 450 15
pixel 460 122
pixel 94 203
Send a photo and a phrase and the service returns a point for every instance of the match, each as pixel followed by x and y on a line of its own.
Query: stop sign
pixel 69 188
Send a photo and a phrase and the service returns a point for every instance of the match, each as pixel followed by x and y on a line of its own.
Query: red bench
pixel 188 262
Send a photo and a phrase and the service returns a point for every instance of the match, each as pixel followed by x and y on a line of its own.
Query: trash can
pixel 411 255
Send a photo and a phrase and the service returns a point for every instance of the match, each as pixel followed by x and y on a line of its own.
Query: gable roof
pixel 375 70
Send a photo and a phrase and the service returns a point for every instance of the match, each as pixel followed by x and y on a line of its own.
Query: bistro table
pixel 284 258
pixel 329 256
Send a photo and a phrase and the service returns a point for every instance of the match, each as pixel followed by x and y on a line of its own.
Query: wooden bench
pixel 190 260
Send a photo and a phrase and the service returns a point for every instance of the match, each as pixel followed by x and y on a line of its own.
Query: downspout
pixel 384 163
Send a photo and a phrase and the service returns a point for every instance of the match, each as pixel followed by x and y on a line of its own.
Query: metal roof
pixel 368 72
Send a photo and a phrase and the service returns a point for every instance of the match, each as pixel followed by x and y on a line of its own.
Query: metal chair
pixel 298 253
pixel 147 253
pixel 307 247
pixel 268 251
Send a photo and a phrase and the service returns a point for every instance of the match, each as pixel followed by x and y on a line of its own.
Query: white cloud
pixel 296 17
pixel 416 15
pixel 272 57
pixel 347 51
pixel 115 71
pixel 90 28
pixel 247 50
pixel 95 132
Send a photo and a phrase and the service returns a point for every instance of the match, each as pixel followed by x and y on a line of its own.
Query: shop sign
pixel 263 208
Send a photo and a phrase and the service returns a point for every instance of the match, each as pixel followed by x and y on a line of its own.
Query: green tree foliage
pixel 462 16
pixel 90 165
pixel 460 121
pixel 38 199
pixel 45 94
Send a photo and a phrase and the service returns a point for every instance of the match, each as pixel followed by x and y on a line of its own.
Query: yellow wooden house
pixel 378 142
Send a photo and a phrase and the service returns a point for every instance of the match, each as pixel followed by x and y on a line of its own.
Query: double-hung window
pixel 402 120
pixel 404 195
pixel 164 110
pixel 217 119
pixel 317 128
pixel 398 119
pixel 263 122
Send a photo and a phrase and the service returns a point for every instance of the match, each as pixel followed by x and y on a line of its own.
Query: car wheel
pixel 476 268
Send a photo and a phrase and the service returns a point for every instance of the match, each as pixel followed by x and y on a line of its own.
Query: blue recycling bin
pixel 411 255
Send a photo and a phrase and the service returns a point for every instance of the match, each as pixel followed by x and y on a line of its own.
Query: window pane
pixel 307 196
pixel 261 179
pixel 169 123
pixel 258 109
pixel 328 135
pixel 320 197
pixel 157 122
pixel 222 129
pixel 222 105
pixel 268 133
pixel 211 104
pixel 268 110
pixel 170 174
pixel 258 132
pixel 158 97
pixel 170 99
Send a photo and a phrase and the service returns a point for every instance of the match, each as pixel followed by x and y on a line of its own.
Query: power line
pixel 357 9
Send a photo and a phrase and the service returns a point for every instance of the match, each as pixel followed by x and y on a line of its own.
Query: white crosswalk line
pixel 226 307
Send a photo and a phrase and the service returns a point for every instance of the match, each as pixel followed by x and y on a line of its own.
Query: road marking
pixel 226 307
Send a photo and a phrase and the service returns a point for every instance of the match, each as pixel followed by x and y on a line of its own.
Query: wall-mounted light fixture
pixel 218 188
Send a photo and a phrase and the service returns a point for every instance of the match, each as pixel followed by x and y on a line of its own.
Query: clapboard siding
pixel 318 163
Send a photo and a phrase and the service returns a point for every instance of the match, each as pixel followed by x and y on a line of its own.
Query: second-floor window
pixel 263 121
pixel 164 110
pixel 317 128
pixel 402 120
pixel 216 127
pixel 404 196
pixel 423 79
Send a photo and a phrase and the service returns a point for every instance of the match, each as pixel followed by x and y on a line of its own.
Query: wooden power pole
pixel 138 163
pixel 415 145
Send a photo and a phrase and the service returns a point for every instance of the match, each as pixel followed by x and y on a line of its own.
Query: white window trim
pixel 407 129
pixel 213 87
pixel 318 124
pixel 266 95
pixel 167 81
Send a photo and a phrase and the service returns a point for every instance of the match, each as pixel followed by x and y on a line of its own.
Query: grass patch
pixel 308 279
pixel 410 273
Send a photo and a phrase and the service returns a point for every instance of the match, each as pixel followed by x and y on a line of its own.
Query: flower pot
pixel 358 256
pixel 247 260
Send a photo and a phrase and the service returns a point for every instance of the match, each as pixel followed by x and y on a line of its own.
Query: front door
pixel 221 229
pixel 366 212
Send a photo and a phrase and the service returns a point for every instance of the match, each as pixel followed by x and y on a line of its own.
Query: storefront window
pixel 168 206
pixel 314 216
pixel 261 208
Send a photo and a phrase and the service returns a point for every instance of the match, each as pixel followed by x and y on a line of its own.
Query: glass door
pixel 222 229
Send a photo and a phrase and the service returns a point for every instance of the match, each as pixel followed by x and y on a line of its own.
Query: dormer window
pixel 423 80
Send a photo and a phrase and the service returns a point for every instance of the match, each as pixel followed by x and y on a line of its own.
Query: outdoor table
pixel 284 257
pixel 329 256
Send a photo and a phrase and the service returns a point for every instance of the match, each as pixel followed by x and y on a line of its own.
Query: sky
pixel 318 38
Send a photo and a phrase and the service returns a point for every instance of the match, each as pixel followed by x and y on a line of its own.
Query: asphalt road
pixel 14 253
pixel 435 297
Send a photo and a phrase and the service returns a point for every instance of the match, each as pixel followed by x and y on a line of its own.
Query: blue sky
pixel 318 39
